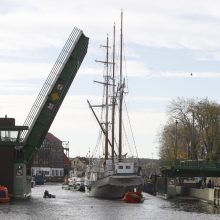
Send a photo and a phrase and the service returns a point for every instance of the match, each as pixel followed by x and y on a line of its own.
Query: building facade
pixel 78 166
pixel 51 160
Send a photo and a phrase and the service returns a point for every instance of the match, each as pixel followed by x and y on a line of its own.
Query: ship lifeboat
pixel 4 198
pixel 133 197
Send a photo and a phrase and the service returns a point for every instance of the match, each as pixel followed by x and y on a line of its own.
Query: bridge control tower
pixel 10 145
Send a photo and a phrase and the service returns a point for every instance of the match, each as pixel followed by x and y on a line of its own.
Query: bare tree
pixel 197 134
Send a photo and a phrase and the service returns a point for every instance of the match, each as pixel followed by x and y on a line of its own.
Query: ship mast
pixel 106 102
pixel 121 88
pixel 113 97
pixel 106 99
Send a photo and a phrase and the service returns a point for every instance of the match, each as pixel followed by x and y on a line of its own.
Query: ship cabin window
pixel 128 167
pixel 120 167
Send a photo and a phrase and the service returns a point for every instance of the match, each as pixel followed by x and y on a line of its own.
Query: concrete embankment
pixel 210 195
pixel 167 187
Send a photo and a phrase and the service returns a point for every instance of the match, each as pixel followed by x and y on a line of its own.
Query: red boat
pixel 133 197
pixel 4 198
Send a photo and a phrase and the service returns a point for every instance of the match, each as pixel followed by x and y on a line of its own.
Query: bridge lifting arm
pixel 53 93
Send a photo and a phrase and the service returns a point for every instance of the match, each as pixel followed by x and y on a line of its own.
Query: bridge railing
pixel 50 81
pixel 191 164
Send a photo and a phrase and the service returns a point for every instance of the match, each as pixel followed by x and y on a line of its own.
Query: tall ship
pixel 116 172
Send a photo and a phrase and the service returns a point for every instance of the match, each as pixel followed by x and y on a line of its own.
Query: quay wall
pixel 203 194
pixel 165 187
pixel 171 191
pixel 210 195
pixel 182 190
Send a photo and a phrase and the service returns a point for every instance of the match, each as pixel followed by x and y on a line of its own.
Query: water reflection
pixel 192 205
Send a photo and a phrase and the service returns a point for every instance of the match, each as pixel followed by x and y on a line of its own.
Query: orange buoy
pixel 4 198
pixel 133 197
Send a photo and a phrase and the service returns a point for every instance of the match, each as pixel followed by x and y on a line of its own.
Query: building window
pixel 46 173
pixel 120 167
pixel 128 167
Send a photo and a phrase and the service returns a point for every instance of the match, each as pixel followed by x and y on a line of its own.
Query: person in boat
pixel 48 195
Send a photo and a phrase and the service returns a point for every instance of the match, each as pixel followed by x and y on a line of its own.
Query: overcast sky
pixel 165 41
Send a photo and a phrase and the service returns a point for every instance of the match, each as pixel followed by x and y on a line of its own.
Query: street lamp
pixel 193 137
pixel 175 148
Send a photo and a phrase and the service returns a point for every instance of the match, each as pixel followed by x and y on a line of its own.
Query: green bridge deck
pixel 191 168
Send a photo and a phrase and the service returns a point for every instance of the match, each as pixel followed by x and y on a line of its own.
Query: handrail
pixel 55 72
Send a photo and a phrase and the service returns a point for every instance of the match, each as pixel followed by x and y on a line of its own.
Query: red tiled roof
pixel 67 162
pixel 51 138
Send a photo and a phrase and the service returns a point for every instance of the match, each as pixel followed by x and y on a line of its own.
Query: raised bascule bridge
pixel 19 144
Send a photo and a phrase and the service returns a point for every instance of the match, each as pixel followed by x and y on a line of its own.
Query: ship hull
pixel 115 186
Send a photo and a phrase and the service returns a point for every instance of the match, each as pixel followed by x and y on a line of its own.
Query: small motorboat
pixel 4 198
pixel 133 197
pixel 48 195
pixel 65 186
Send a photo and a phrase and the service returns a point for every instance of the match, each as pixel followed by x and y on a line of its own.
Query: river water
pixel 76 205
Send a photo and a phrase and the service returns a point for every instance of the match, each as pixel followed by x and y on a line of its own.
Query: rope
pixel 132 133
